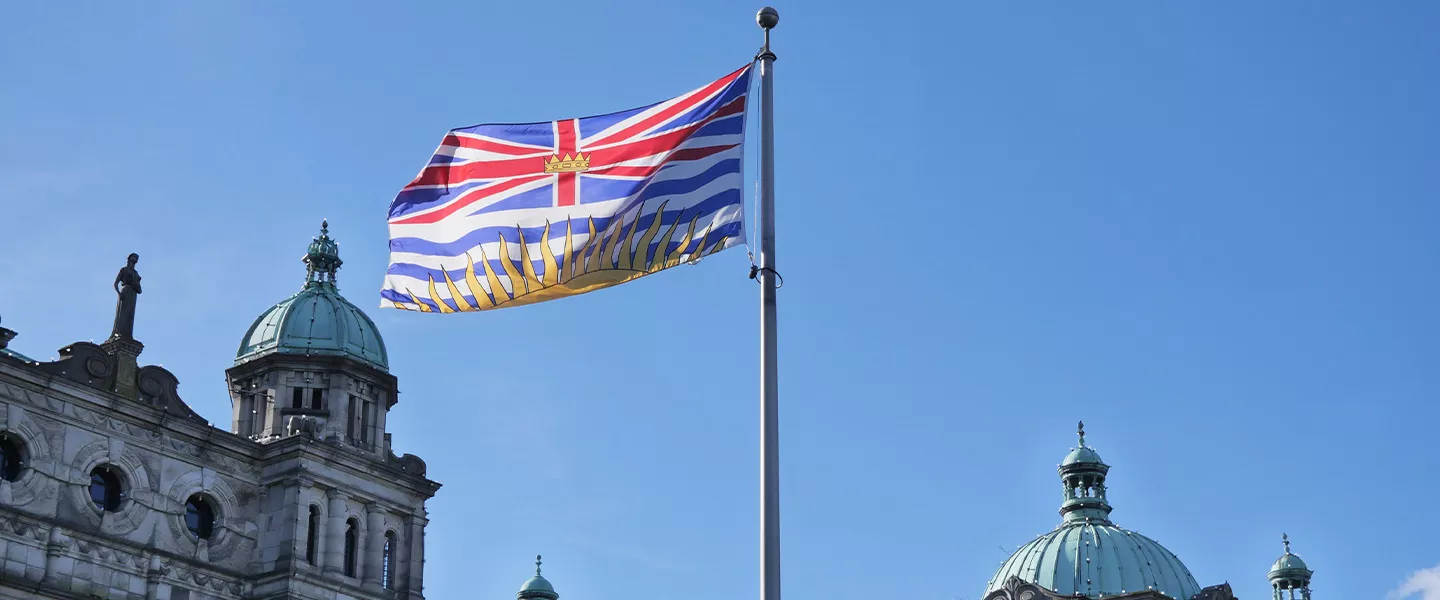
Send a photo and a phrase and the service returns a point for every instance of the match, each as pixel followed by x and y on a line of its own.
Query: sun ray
pixel 474 284
pixel 552 270
pixel 616 228
pixel 592 248
pixel 674 257
pixel 641 262
pixel 568 260
pixel 460 303
pixel 423 306
pixel 444 306
pixel 699 250
pixel 516 286
pixel 492 278
pixel 628 242
pixel 532 283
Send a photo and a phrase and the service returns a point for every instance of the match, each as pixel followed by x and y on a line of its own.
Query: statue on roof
pixel 127 286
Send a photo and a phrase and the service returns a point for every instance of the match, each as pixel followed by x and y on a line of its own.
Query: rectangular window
pixel 297 397
pixel 317 398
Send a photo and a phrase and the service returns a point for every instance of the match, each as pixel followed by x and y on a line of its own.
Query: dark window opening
pixel 297 397
pixel 199 517
pixel 317 398
pixel 387 555
pixel 312 535
pixel 12 460
pixel 351 537
pixel 105 489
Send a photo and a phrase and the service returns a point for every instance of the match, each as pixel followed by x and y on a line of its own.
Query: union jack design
pixel 505 215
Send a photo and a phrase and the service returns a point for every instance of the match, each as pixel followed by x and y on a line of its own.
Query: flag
pixel 506 215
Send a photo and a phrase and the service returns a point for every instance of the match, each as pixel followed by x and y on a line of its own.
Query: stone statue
pixel 127 285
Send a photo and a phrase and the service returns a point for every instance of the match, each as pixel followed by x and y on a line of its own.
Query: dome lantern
pixel 322 258
pixel 1083 475
pixel 1290 573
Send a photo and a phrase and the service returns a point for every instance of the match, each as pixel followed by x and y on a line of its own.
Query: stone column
pixel 335 534
pixel 415 557
pixel 375 545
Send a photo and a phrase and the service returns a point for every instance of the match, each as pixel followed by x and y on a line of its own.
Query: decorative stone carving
pixel 86 364
pixel 159 388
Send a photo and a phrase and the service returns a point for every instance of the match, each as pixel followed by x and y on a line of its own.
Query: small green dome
pixel 537 587
pixel 537 584
pixel 1289 567
pixel 1083 454
pixel 317 320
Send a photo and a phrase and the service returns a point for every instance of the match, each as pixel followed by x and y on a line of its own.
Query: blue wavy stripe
pixel 510 233
pixel 423 273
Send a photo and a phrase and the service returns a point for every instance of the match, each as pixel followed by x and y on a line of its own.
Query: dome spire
pixel 1284 537
pixel 1081 430
pixel 322 258
pixel 537 587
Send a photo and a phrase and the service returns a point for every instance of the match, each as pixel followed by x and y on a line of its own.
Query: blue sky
pixel 1207 229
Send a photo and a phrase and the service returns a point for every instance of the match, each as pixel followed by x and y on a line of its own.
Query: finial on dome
pixel 537 565
pixel 1081 430
pixel 1285 537
pixel 324 226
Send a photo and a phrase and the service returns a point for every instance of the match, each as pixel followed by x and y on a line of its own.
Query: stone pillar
pixel 126 353
pixel 415 557
pixel 54 547
pixel 335 534
pixel 375 545
pixel 152 578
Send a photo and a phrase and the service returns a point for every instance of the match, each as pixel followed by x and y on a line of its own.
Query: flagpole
pixel 768 18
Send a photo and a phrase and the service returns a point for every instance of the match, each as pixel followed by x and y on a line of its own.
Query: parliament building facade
pixel 112 487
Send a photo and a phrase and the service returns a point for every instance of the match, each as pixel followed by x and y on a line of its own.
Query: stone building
pixel 1089 556
pixel 112 487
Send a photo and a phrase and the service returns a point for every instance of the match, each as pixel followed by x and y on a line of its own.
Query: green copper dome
pixel 537 586
pixel 317 320
pixel 1087 555
pixel 1289 567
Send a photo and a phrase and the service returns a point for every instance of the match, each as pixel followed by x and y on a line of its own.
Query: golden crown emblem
pixel 578 163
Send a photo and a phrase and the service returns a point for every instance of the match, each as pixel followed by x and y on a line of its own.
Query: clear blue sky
pixel 1207 229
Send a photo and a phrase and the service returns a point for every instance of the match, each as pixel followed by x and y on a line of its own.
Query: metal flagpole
pixel 768 18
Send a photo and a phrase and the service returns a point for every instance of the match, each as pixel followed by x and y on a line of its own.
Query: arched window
pixel 312 534
pixel 352 535
pixel 105 488
pixel 200 517
pixel 387 561
pixel 11 457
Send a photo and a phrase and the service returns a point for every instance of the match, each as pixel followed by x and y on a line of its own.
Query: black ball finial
pixel 767 18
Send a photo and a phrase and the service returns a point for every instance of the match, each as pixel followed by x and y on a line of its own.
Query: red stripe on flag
pixel 679 155
pixel 693 100
pixel 466 199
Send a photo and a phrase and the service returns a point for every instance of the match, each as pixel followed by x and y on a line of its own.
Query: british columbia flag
pixel 505 215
